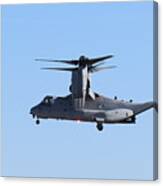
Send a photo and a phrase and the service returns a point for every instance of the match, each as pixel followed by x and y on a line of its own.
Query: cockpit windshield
pixel 48 100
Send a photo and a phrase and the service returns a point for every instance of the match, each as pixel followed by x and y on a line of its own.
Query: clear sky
pixel 66 31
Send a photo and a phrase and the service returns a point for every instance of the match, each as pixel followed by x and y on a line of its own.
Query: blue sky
pixel 66 31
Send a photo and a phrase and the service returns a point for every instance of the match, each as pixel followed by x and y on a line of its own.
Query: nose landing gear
pixel 37 121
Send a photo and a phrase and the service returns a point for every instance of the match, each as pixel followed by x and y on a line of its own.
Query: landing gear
pixel 37 121
pixel 133 119
pixel 99 126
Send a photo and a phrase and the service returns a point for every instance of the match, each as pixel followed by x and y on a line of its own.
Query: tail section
pixel 138 108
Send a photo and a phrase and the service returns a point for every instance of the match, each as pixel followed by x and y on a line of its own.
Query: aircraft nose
pixel 34 110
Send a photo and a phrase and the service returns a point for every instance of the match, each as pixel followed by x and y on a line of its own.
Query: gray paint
pixel 85 105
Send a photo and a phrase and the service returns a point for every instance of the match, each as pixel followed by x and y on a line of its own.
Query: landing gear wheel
pixel 37 121
pixel 99 126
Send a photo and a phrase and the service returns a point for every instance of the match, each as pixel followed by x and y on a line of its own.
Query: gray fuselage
pixel 101 109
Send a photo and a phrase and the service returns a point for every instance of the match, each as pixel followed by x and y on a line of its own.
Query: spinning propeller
pixel 81 62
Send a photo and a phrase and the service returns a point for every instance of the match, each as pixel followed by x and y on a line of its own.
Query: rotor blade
pixel 72 62
pixel 102 68
pixel 95 60
pixel 60 69
pixel 94 66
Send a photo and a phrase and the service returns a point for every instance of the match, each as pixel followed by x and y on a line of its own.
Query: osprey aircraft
pixel 83 104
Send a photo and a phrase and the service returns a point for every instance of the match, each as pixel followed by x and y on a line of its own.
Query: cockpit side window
pixel 48 100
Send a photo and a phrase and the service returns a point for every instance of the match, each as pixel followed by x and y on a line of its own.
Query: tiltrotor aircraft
pixel 83 104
